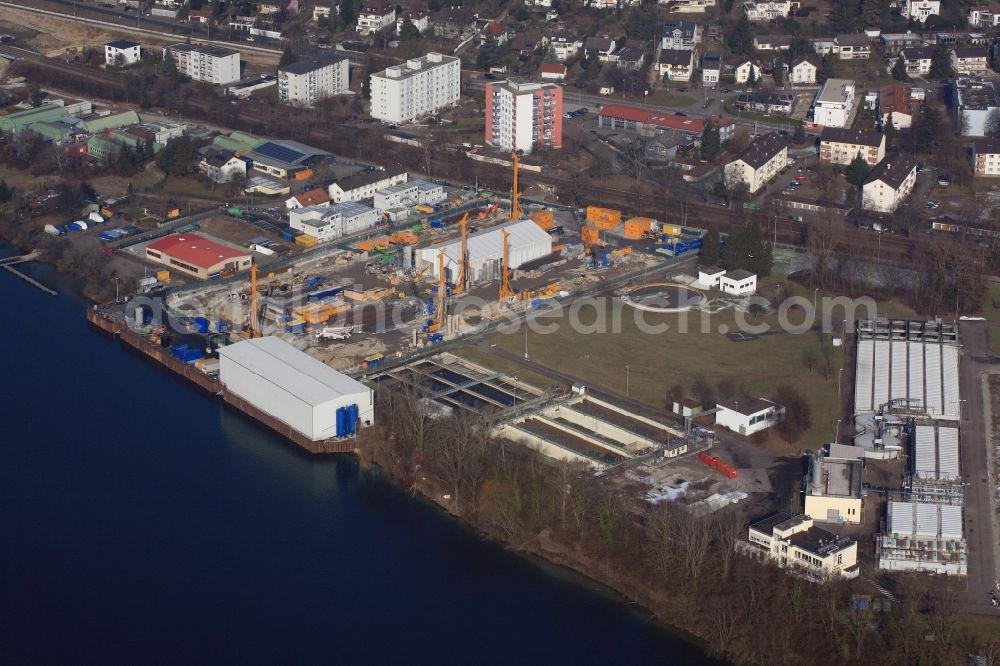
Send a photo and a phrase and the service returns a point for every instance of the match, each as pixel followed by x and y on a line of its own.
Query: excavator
pixel 437 322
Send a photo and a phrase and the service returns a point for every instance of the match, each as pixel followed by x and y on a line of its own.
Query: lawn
pixel 657 361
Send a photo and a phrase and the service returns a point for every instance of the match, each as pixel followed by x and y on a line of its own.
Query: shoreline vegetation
pixel 682 569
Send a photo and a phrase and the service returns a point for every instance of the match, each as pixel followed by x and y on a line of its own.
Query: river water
pixel 140 522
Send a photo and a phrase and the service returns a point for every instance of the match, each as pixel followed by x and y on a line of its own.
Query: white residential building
pixel 917 59
pixel 853 47
pixel 986 157
pixel 768 11
pixel 970 60
pixel 711 69
pixel 680 35
pixel 522 115
pixel 760 162
pixel 419 18
pixel 709 276
pixel 919 10
pixel 834 103
pixel 420 86
pixel 803 72
pixel 121 52
pixel 364 185
pixel 796 544
pixel 889 183
pixel 838 145
pixel 687 6
pixel 984 17
pixel 564 46
pixel 410 193
pixel 748 415
pixel 675 64
pixel 208 63
pixel 375 16
pixel 308 81
pixel 742 72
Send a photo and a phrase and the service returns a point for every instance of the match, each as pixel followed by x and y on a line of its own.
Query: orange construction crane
pixel 254 332
pixel 438 321
pixel 505 289
pixel 515 197
pixel 463 261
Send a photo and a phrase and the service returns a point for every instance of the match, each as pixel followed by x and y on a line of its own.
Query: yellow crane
pixel 438 322
pixel 463 262
pixel 506 291
pixel 515 197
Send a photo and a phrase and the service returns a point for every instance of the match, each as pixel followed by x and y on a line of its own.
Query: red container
pixel 708 460
pixel 725 470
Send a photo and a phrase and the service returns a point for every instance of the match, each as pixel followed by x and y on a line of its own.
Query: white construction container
pixel 527 242
pixel 292 386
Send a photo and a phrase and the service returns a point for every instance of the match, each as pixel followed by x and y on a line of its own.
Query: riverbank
pixel 546 547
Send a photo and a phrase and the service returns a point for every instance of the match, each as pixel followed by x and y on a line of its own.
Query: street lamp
pixel 626 380
pixel 116 279
pixel 525 339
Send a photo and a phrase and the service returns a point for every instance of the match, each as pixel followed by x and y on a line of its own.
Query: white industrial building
pixel 834 490
pixel 748 415
pixel 293 387
pixel 121 52
pixel 364 185
pixel 208 63
pixel 834 103
pixel 915 376
pixel 923 536
pixel 412 193
pixel 935 454
pixel 420 86
pixel 327 223
pixel 795 543
pixel 527 242
pixel 308 81
pixel 977 106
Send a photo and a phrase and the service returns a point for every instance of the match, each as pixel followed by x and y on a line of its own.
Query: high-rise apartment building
pixel 403 93
pixel 524 116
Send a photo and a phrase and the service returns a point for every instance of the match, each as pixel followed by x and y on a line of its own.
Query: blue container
pixel 296 329
pixel 313 281
pixel 201 324
pixel 352 419
pixel 73 226
pixel 341 418
pixel 436 224
pixel 436 337
pixel 537 302
pixel 323 294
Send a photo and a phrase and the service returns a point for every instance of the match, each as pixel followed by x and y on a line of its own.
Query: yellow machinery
pixel 438 321
pixel 463 262
pixel 505 289
pixel 515 198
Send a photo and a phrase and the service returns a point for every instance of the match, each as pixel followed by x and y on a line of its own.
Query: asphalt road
pixel 977 469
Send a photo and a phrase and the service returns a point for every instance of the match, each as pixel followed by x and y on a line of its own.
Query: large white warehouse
pixel 527 242
pixel 295 388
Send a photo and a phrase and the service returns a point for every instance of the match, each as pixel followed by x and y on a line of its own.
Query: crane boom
pixel 515 197
pixel 254 333
pixel 463 261
pixel 438 322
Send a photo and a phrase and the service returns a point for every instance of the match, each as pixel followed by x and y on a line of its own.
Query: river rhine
pixel 141 522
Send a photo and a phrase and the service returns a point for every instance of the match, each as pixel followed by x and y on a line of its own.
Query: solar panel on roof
pixel 279 152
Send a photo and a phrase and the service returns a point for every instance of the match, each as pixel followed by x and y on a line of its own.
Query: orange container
pixel 637 226
pixel 382 242
pixel 604 218
pixel 305 174
pixel 589 235
pixel 543 218
pixel 305 240
pixel 365 246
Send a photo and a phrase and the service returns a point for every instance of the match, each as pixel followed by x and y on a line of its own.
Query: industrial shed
pixel 917 375
pixel 923 536
pixel 935 453
pixel 527 241
pixel 296 388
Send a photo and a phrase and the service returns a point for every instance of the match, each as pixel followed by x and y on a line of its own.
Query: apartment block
pixel 420 86
pixel 834 103
pixel 841 146
pixel 760 162
pixel 524 115
pixel 986 157
pixel 308 81
pixel 211 64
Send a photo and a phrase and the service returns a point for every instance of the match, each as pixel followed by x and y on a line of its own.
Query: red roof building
pixel 314 197
pixel 197 256
pixel 650 122
pixel 553 71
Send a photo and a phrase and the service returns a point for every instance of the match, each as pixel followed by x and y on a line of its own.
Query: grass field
pixel 659 361
pixel 764 118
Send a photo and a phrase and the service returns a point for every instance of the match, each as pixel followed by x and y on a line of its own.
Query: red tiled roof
pixel 195 250
pixel 313 197
pixel 650 117
pixel 553 68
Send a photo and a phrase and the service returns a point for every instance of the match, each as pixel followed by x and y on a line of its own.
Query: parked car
pixel 679 113
pixel 801 177
pixel 944 181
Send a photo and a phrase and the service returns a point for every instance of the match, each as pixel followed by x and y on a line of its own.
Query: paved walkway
pixel 978 462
